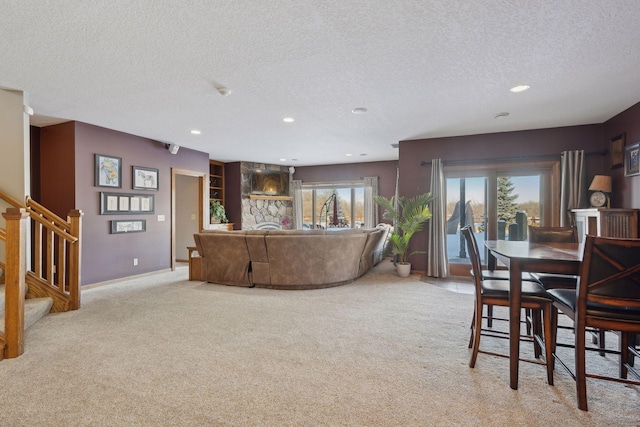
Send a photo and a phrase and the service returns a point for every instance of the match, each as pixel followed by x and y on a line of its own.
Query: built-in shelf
pixel 259 197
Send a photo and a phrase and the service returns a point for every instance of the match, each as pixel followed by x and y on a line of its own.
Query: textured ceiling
pixel 422 68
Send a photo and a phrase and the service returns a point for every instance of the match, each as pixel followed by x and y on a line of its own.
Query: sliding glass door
pixel 498 202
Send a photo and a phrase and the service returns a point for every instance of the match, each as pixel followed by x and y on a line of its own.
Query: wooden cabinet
pixel 604 222
pixel 216 181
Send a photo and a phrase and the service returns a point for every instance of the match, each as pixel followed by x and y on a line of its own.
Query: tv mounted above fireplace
pixel 266 182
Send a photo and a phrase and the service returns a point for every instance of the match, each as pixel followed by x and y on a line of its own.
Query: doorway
pixel 187 211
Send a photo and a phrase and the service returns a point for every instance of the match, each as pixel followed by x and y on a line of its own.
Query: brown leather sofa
pixel 289 259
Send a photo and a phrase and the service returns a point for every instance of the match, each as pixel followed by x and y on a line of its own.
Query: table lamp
pixel 601 187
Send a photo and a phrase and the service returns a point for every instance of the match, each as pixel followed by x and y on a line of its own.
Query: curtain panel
pixel 573 193
pixel 437 262
pixel 370 207
pixel 297 203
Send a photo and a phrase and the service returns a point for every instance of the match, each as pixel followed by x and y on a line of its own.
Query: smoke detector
pixel 223 90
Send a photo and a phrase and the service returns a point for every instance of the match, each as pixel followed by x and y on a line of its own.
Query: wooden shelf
pixel 259 197
pixel 216 181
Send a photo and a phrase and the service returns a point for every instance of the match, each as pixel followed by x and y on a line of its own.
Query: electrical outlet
pixel 135 261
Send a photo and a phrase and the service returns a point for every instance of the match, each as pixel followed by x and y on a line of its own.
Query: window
pixel 499 201
pixel 336 205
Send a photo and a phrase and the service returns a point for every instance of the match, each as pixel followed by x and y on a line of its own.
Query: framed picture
pixel 616 151
pixel 632 160
pixel 145 178
pixel 122 203
pixel 128 226
pixel 108 171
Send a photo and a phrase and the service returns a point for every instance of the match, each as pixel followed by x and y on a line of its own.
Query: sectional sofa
pixel 289 259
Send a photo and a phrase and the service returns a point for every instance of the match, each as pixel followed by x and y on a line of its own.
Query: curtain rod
pixel 502 159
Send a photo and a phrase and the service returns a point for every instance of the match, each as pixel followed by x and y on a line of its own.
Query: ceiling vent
pixel 396 145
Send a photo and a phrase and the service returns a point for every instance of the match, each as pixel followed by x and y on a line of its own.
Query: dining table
pixel 522 256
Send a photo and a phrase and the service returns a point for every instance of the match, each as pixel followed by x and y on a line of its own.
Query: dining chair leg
pixel 536 325
pixel 554 335
pixel 476 337
pixel 528 315
pixel 581 372
pixel 633 342
pixel 489 316
pixel 548 343
pixel 601 342
pixel 624 353
pixel 472 329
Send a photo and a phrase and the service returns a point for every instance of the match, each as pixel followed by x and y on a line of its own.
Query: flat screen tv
pixel 269 182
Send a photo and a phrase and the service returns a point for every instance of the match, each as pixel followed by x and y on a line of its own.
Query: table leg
pixel 515 298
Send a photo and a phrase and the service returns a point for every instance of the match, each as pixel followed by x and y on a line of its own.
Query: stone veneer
pixel 255 212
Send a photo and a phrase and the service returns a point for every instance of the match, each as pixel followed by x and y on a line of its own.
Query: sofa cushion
pixel 367 258
pixel 225 257
pixel 260 272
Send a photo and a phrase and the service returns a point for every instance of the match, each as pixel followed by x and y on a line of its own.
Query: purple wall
pixel 108 256
pixel 626 189
pixel 415 178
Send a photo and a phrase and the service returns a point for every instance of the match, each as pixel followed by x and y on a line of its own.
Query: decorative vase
pixel 403 270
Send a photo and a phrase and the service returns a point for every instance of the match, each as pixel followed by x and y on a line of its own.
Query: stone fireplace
pixel 260 209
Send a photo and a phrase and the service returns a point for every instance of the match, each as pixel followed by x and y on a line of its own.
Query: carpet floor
pixel 381 351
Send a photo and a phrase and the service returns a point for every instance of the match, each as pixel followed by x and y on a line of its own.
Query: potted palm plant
pixel 217 212
pixel 409 216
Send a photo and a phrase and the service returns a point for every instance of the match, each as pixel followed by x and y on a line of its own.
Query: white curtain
pixel 297 204
pixel 437 263
pixel 572 184
pixel 370 207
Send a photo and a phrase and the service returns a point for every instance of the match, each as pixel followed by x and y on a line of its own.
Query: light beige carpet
pixel 381 351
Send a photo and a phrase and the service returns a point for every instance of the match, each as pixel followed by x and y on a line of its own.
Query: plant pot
pixel 403 269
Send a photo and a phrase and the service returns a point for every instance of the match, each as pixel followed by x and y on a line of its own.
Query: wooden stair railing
pixel 55 264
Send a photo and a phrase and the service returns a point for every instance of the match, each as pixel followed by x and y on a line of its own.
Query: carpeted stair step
pixel 2 296
pixel 34 309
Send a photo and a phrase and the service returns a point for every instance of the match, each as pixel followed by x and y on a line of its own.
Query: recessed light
pixel 283 160
pixel 195 132
pixel 363 154
pixel 359 110
pixel 519 88
pixel 348 154
pixel 288 120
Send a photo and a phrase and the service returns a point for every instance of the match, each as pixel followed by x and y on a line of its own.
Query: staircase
pixel 34 309
pixel 52 282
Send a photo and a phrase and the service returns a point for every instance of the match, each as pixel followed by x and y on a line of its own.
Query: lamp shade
pixel 601 183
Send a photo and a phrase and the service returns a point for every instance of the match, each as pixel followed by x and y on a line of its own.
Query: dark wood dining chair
pixel 496 293
pixel 608 298
pixel 561 281
pixel 503 275
pixel 554 235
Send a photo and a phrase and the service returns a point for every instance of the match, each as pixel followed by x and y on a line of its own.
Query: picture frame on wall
pixel 632 160
pixel 128 226
pixel 123 203
pixel 144 178
pixel 108 171
pixel 616 151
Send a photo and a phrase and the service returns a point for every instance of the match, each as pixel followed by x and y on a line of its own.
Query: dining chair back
pixel 607 297
pixel 553 234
